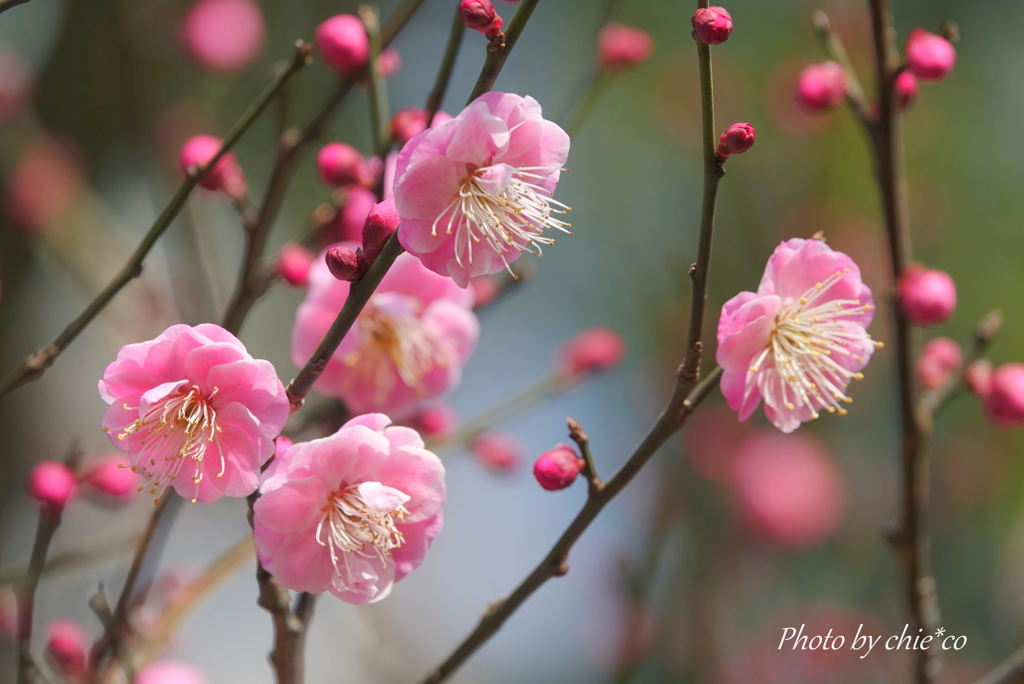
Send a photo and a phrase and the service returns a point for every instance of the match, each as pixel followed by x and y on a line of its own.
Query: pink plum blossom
pixel 407 347
pixel 224 35
pixel 799 340
pixel 621 47
pixel 475 193
pixel 52 484
pixel 169 672
pixel 499 451
pixel 194 411
pixel 111 476
pixel 352 513
pixel 558 468
pixel 929 57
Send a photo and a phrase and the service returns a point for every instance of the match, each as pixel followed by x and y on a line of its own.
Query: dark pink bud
pixel 485 289
pixel 494 30
pixel 620 47
pixel 293 263
pixel 439 420
pixel 477 14
pixel 381 222
pixel 341 165
pixel 499 451
pixel 978 376
pixel 821 87
pixel 939 358
pixel 409 122
pixel 226 176
pixel 1005 400
pixel 927 296
pixel 343 44
pixel 712 25
pixel 343 264
pixel 906 89
pixel 112 476
pixel 736 139
pixel 558 468
pixel 929 57
pixel 66 647
pixel 389 63
pixel 51 484
pixel 224 35
pixel 591 351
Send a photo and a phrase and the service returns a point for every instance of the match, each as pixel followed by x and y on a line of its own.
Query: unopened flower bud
pixel 353 215
pixel 620 47
pixel 477 14
pixel 343 264
pixel 591 351
pixel 906 89
pixel 66 647
pixel 169 672
pixel 293 263
pixel 929 57
pixel 978 376
pixel 498 451
pixel 380 223
pixel 343 44
pixel 341 165
pixel 51 484
pixel 736 139
pixel 226 176
pixel 224 35
pixel 926 296
pixel 1005 399
pixel 112 476
pixel 408 122
pixel 438 420
pixel 712 25
pixel 558 468
pixel 821 87
pixel 939 358
pixel 389 63
pixel 493 32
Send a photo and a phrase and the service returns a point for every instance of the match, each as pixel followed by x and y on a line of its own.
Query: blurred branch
pixel 598 85
pixel 444 72
pixel 10 4
pixel 1010 671
pixel 380 135
pixel 679 408
pixel 833 45
pixel 496 59
pixel 66 561
pixel 934 401
pixel 35 365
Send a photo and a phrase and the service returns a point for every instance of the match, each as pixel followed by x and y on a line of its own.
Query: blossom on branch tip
pixel 926 296
pixel 352 513
pixel 343 44
pixel 475 193
pixel 169 672
pixel 939 358
pixel 1004 395
pixel 712 24
pixel 591 351
pixel 906 89
pixel 194 411
pixel 52 484
pixel 293 263
pixel 621 47
pixel 226 176
pixel 66 647
pixel 478 15
pixel 224 35
pixel 736 139
pixel 821 87
pixel 929 57
pixel 381 223
pixel 800 339
pixel 407 346
pixel 558 468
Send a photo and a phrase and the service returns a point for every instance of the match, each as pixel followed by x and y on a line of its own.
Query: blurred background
pixel 733 532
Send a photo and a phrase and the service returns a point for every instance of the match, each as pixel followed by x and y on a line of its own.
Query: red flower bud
pixel 477 14
pixel 341 165
pixel 1004 402
pixel 51 484
pixel 66 646
pixel 293 263
pixel 712 25
pixel 343 264
pixel 620 47
pixel 927 296
pixel 558 468
pixel 343 44
pixel 591 351
pixel 380 223
pixel 736 139
pixel 929 57
pixel 906 89
pixel 821 87
pixel 498 451
pixel 939 358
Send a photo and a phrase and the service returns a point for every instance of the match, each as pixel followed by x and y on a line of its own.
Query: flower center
pixel 394 346
pixel 800 362
pixel 361 521
pixel 178 430
pixel 505 208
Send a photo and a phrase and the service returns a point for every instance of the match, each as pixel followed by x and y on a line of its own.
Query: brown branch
pixel 833 45
pixel 10 4
pixel 931 403
pixel 496 57
pixel 582 439
pixel 679 408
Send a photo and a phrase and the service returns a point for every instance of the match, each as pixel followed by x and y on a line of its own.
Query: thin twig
pixel 35 365
pixel 931 403
pixel 444 72
pixel 496 59
pixel 9 4
pixel 679 408
pixel 380 135
pixel 598 86
pixel 833 45
pixel 582 439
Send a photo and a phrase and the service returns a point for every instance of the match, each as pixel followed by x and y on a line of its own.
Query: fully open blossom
pixel 407 346
pixel 352 513
pixel 799 340
pixel 475 193
pixel 194 411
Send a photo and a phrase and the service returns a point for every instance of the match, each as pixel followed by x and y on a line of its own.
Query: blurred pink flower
pixel 1004 395
pixel 789 488
pixel 341 165
pixel 226 176
pixel 621 47
pixel 343 44
pixel 8 613
pixel 939 358
pixel 194 411
pixel 821 87
pixel 52 484
pixel 352 513
pixel 591 351
pixel 224 35
pixel 926 295
pixel 44 183
pixel 293 263
pixel 407 347
pixel 349 223
pixel 389 63
pixel 481 183
pixel 499 451
pixel 929 57
pixel 712 438
pixel 66 647
pixel 437 420
pixel 407 123
pixel 169 672
pixel 906 89
pixel 485 289
pixel 799 340
pixel 112 476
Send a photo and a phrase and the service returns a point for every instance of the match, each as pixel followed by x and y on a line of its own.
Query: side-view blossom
pixel 475 193
pixel 352 513
pixel 800 339
pixel 408 345
pixel 194 411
